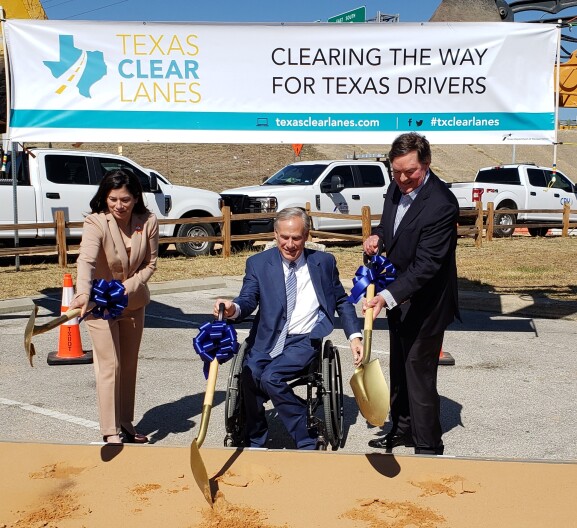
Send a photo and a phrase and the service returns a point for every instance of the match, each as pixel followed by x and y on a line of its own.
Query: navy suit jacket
pixel 264 287
pixel 423 252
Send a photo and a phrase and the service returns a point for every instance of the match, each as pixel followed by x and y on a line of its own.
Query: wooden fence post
pixel 490 220
pixel 226 230
pixel 366 221
pixel 566 211
pixel 61 238
pixel 308 212
pixel 479 225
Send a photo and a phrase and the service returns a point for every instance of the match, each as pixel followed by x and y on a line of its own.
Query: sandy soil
pixel 65 486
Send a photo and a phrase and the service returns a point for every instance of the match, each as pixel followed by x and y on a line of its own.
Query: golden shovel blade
pixel 199 471
pixel 371 392
pixel 196 462
pixel 28 334
pixel 32 329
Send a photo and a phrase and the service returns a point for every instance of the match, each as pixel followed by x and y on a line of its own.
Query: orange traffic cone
pixel 445 358
pixel 69 345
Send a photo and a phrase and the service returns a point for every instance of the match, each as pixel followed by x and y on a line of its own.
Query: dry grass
pixel 540 267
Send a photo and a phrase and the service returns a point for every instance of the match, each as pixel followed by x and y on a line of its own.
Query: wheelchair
pixel 324 398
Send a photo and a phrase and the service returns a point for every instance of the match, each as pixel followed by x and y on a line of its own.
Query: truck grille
pixel 240 203
pixel 236 202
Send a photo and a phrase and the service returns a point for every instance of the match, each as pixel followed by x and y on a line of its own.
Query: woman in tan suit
pixel 119 241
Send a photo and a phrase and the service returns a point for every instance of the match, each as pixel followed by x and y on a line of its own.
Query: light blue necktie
pixel 291 297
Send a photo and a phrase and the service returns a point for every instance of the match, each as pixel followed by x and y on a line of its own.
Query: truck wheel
pixel 195 249
pixel 538 231
pixel 502 220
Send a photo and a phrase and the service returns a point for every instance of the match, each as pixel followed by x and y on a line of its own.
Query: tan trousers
pixel 115 350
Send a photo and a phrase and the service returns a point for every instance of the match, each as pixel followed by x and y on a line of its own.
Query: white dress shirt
pixel 306 310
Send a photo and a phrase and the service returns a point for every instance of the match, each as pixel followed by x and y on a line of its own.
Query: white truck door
pixel 347 201
pixel 372 186
pixel 563 191
pixel 548 190
pixel 64 185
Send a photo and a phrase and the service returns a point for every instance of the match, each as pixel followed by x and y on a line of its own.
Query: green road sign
pixel 355 15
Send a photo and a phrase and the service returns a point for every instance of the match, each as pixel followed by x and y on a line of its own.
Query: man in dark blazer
pixel 276 354
pixel 418 230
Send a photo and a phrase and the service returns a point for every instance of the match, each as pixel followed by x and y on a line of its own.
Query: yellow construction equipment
pixel 24 9
pixel 568 82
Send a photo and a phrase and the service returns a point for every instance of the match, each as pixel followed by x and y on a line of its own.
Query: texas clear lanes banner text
pixel 85 81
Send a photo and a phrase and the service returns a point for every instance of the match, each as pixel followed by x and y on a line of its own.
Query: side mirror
pixel 335 185
pixel 153 182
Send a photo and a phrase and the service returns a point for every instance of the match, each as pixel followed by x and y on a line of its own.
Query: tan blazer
pixel 104 256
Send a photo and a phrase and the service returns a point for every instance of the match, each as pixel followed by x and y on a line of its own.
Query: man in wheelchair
pixel 297 292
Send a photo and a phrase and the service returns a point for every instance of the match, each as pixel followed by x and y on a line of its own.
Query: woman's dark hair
pixel 410 142
pixel 116 179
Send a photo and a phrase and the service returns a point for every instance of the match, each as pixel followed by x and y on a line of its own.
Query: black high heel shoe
pixel 135 438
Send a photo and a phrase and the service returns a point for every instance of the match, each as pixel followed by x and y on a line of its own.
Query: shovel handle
pixel 70 314
pixel 370 294
pixel 213 371
pixel 368 329
pixel 209 394
pixel 369 312
pixel 207 405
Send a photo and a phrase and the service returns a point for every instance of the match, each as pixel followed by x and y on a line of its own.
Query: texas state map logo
pixel 77 67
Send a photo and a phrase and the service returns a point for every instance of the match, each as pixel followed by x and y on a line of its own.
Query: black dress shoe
pixel 392 440
pixel 110 443
pixel 135 438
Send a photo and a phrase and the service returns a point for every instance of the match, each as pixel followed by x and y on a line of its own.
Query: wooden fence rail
pixel 483 225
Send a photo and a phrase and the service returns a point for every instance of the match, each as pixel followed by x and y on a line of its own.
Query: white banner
pixel 313 83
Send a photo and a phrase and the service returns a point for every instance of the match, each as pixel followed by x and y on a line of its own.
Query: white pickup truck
pixel 518 186
pixel 330 186
pixel 53 179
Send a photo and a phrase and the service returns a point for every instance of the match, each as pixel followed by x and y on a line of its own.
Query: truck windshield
pixel 296 175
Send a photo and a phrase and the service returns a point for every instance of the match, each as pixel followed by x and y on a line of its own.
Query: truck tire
pixel 538 231
pixel 195 249
pixel 502 220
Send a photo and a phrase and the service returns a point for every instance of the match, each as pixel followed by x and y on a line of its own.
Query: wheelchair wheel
pixel 233 409
pixel 333 394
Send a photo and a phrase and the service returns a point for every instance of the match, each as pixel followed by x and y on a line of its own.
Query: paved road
pixel 511 394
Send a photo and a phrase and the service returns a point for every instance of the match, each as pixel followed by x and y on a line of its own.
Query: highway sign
pixel 355 15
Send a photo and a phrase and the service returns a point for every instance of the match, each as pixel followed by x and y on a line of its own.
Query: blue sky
pixel 233 10
pixel 247 11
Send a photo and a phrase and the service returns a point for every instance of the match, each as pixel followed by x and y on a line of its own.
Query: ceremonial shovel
pixel 196 463
pixel 368 382
pixel 32 329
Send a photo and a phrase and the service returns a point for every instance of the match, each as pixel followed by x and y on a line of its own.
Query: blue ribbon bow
pixel 110 299
pixel 215 340
pixel 381 273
